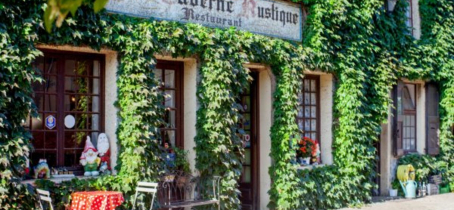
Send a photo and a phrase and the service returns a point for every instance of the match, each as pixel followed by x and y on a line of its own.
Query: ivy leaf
pixel 99 5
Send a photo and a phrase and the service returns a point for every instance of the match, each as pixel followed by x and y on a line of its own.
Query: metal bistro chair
pixel 145 187
pixel 44 195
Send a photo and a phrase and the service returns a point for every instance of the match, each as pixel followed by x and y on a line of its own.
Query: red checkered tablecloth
pixel 96 200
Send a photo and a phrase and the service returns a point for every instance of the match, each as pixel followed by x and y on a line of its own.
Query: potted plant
pixel 306 149
pixel 394 189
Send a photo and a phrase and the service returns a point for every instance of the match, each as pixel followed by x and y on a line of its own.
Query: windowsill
pixel 310 167
pixel 57 180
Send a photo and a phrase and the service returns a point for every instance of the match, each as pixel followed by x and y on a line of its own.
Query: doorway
pixel 249 177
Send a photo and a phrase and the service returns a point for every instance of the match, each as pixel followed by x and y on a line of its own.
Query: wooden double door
pixel 250 175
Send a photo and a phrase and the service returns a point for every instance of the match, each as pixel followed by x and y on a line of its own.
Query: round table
pixel 94 200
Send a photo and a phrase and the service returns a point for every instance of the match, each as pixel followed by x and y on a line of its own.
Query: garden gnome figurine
pixel 42 170
pixel 104 153
pixel 89 159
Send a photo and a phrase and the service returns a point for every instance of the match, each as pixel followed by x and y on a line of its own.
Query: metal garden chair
pixel 44 195
pixel 146 187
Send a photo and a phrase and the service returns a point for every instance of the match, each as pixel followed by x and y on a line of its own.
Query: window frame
pixel 178 67
pixel 318 106
pixel 60 97
pixel 411 112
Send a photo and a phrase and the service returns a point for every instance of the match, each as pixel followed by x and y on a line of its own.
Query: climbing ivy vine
pixel 365 47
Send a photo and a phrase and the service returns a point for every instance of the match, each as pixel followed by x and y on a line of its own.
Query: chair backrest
pixel 44 195
pixel 146 187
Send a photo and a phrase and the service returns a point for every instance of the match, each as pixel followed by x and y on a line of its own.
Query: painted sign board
pixel 266 17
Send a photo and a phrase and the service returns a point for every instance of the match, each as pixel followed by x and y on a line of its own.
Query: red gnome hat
pixel 88 146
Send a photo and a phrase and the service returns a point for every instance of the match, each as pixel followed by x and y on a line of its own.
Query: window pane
pixel 300 111
pixel 50 103
pixel 300 98
pixel 39 101
pixel 37 123
pixel 72 157
pixel 170 118
pixel 313 99
pixel 307 111
pixel 306 85
pixel 313 125
pixel 50 84
pixel 169 78
pixel 313 86
pixel 158 75
pixel 169 136
pixel 95 86
pixel 96 68
pixel 314 112
pixel 307 125
pixel 170 98
pixel 94 123
pixel 70 67
pixel 95 105
pixel 50 67
pixel 50 140
pixel 38 140
pixel 300 125
pixel 307 99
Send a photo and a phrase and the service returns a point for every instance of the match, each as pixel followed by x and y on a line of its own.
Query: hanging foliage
pixel 364 46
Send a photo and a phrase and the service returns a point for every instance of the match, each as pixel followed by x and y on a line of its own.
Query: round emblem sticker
pixel 70 121
pixel 247 137
pixel 50 122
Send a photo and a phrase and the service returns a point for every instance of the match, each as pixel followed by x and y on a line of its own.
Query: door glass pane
pixel 247 156
pixel 247 174
pixel 247 121
pixel 247 103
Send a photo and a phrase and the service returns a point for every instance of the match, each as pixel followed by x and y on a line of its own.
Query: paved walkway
pixel 434 202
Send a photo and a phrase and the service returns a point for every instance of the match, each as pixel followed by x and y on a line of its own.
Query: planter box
pixel 393 192
pixel 444 189
pixel 432 189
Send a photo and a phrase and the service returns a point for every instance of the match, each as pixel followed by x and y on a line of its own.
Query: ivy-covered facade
pixel 368 78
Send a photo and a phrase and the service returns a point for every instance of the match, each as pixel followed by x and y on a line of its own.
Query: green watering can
pixel 409 188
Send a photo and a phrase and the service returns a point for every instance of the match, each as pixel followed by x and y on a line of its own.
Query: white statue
pixel 104 152
pixel 89 159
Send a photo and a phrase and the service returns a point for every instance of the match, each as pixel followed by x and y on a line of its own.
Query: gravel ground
pixel 434 202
